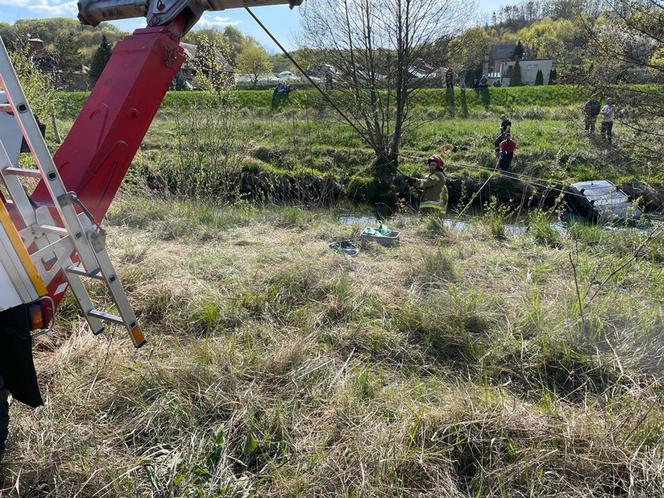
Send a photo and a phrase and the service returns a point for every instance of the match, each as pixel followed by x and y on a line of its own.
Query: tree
pixel 255 61
pixel 67 52
pixel 515 80
pixel 37 85
pixel 518 51
pixel 100 59
pixel 572 9
pixel 213 71
pixel 374 45
pixel 553 76
pixel 625 46
pixel 539 78
pixel 466 52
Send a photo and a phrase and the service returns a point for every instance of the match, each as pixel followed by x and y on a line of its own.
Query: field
pixel 466 361
pixel 307 142
pixel 458 364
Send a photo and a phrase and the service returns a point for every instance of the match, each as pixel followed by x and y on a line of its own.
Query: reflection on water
pixel 369 220
pixel 358 219
pixel 366 220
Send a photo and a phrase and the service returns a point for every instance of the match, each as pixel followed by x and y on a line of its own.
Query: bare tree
pixel 377 47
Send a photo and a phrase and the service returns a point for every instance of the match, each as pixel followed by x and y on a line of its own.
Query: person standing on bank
pixel 591 111
pixel 505 125
pixel 506 150
pixel 434 196
pixel 449 78
pixel 505 130
pixel 608 113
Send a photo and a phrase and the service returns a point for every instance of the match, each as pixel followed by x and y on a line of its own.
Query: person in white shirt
pixel 607 112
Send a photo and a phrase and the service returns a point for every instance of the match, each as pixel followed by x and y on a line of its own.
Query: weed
pixel 540 228
pixel 496 216
pixel 437 267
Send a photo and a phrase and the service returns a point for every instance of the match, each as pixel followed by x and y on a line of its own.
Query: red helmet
pixel 440 164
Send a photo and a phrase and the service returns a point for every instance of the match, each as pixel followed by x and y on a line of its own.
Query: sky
pixel 282 21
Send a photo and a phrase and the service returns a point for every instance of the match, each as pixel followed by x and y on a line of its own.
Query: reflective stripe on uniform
pixel 433 206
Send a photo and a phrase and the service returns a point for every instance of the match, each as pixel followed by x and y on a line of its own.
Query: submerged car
pixel 601 202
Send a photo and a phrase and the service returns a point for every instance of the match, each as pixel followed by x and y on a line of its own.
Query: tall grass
pixel 275 367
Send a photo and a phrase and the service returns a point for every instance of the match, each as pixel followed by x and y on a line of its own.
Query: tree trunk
pixel 384 173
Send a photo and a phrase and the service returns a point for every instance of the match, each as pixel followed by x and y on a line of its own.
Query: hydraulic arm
pixel 52 239
pixel 162 12
pixel 94 158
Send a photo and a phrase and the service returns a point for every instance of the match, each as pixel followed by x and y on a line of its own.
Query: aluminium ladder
pixel 63 238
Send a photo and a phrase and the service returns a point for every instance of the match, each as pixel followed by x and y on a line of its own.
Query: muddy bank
pixel 315 190
pixel 263 186
pixel 305 189
pixel 311 189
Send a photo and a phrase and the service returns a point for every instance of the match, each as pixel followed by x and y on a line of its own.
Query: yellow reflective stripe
pixel 433 207
pixel 21 251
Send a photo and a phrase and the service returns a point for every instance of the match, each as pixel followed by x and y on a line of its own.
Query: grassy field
pixel 496 99
pixel 306 146
pixel 506 99
pixel 470 362
pixel 457 364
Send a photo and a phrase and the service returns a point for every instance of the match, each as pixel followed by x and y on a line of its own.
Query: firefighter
pixel 434 195
pixel 505 125
pixel 505 130
pixel 608 114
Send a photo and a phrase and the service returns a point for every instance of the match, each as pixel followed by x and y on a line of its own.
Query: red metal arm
pixel 94 158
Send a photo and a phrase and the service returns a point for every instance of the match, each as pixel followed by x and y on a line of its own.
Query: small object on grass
pixel 383 235
pixel 346 247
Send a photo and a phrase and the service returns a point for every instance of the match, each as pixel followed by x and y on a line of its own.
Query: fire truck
pixel 51 240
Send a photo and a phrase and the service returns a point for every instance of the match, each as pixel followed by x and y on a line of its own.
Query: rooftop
pixel 503 51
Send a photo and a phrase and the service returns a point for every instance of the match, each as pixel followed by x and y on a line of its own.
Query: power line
pixel 309 78
pixel 532 180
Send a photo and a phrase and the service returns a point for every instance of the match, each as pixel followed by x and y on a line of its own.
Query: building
pixel 529 69
pixel 36 47
pixel 500 54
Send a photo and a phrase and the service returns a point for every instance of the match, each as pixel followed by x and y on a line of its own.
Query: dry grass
pixel 453 365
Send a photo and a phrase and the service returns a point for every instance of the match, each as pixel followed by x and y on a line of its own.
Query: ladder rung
pixel 82 272
pixel 6 108
pixel 32 173
pixel 50 229
pixel 107 317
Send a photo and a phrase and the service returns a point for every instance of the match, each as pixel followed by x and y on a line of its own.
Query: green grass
pixel 499 99
pixel 201 151
pixel 455 364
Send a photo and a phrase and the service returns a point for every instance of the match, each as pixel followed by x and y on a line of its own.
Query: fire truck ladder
pixel 63 237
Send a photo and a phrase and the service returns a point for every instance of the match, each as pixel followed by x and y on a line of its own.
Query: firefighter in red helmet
pixel 434 195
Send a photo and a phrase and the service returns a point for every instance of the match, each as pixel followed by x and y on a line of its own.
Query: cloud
pixel 44 7
pixel 69 8
pixel 214 21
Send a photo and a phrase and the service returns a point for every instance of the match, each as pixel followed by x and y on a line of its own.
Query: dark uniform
pixel 591 111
